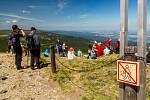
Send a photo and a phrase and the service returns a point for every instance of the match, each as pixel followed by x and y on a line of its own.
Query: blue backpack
pixel 46 53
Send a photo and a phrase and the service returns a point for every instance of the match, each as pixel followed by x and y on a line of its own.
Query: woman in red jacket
pixel 107 43
pixel 99 49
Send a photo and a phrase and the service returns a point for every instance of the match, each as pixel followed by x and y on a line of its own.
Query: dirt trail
pixel 27 84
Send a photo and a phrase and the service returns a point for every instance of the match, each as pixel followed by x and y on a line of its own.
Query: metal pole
pixel 123 25
pixel 141 45
pixel 123 37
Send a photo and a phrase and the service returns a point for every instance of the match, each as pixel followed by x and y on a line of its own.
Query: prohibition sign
pixel 128 72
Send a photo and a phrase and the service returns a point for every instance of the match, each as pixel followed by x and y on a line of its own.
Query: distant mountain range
pixel 102 36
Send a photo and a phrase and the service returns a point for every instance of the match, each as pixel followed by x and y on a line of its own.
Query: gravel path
pixel 27 84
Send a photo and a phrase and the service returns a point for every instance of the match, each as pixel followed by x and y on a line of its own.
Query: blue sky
pixel 89 15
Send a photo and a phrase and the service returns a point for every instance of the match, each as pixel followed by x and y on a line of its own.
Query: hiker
pixel 93 53
pixel 60 49
pixel 89 54
pixel 106 51
pixel 33 43
pixel 108 43
pixel 71 53
pixel 89 51
pixel 16 45
pixel 58 45
pixel 64 48
pixel 99 49
pixel 117 46
pixel 79 53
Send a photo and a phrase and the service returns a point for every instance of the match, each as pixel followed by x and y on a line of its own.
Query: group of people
pixel 97 49
pixel 63 50
pixel 32 45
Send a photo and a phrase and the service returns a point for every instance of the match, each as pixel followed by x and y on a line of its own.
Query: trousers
pixel 35 57
pixel 18 57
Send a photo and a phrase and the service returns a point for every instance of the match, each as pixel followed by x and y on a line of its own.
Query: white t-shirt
pixel 106 51
pixel 70 55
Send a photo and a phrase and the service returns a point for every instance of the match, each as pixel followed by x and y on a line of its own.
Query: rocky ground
pixel 27 84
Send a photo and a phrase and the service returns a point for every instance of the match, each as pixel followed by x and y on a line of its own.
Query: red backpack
pixel 117 45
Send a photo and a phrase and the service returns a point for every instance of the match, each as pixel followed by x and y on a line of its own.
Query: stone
pixel 4 78
pixel 3 91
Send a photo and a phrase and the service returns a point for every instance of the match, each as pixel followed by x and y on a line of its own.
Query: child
pixel 71 54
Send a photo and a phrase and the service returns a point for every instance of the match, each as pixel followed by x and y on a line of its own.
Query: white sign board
pixel 128 72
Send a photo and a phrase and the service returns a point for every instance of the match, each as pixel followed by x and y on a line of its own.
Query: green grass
pixel 3 42
pixel 96 78
pixel 97 81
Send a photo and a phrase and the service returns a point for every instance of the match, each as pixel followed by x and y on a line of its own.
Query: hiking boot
pixel 19 67
pixel 32 67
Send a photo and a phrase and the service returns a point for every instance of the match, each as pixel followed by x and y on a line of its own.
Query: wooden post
pixel 123 37
pixel 53 63
pixel 130 91
pixel 141 46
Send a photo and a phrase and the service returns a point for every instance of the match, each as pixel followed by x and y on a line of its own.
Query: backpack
pixel 30 42
pixel 11 39
pixel 46 53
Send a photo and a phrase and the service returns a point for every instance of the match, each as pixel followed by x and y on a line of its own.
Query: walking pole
pixel 27 57
pixel 13 55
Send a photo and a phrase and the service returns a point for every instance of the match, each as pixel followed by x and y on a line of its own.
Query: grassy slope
pixel 100 84
pixel 3 41
pixel 77 43
pixel 49 38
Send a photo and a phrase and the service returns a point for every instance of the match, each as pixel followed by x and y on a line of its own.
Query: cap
pixel 33 28
pixel 14 27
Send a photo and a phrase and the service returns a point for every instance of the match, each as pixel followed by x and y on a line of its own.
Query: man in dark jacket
pixel 17 47
pixel 34 48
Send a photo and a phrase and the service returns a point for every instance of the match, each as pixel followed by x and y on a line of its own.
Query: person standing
pixel 16 45
pixel 117 46
pixel 33 43
pixel 57 45
pixel 108 43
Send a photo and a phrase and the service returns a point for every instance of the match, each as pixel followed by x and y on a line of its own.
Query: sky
pixel 79 15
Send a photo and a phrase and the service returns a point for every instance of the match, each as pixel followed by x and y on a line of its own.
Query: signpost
pixel 131 75
pixel 128 72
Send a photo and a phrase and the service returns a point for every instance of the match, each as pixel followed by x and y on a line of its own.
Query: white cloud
pixel 12 21
pixel 20 17
pixel 8 21
pixel 61 4
pixel 33 6
pixel 83 16
pixel 26 12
